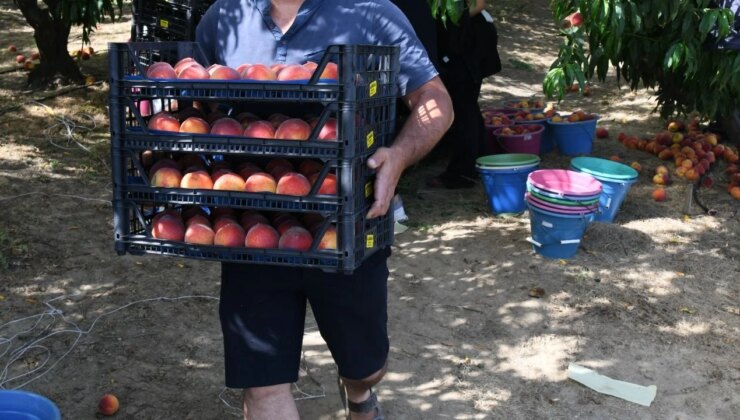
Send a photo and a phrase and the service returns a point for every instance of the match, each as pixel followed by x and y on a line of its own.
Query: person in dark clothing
pixel 461 55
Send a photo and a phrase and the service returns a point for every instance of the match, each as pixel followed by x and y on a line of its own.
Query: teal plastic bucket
pixel 505 187
pixel 574 138
pixel 557 235
pixel 616 180
pixel 22 405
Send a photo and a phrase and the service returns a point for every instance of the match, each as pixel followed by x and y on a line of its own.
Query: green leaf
pixel 707 23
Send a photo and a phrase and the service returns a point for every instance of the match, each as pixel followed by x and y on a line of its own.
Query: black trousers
pixel 466 138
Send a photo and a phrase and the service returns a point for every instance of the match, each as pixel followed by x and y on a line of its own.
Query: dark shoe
pixel 451 182
pixel 369 405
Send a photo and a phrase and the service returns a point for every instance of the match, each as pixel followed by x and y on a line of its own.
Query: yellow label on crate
pixel 164 23
pixel 370 241
pixel 370 139
pixel 368 189
pixel 373 88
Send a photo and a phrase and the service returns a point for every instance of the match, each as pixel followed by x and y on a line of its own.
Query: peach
pixel 662 169
pixel 296 238
pixel 293 129
pixel 735 192
pixel 12 48
pixel 259 130
pixel 260 182
pixel 615 158
pixel 309 167
pixel 660 179
pixel 197 180
pixel 168 227
pixel 195 125
pixel 224 220
pixel 180 65
pixel 274 163
pixel 108 405
pixel 164 121
pixel 224 73
pixel 190 111
pixel 226 127
pixel 602 132
pixel 262 235
pixel 162 163
pixel 214 116
pixel 258 72
pixel 191 211
pixel 328 187
pixel 311 65
pixel 293 184
pixel 331 71
pixel 229 182
pixel 250 218
pixel 277 67
pixel 193 71
pixel 636 166
pixel 247 169
pixel 294 72
pixel 245 118
pixel 279 217
pixel 20 58
pixel 707 182
pixel 276 119
pixel 659 194
pixel 329 130
pixel 199 234
pixel 166 177
pixel 287 224
pixel 198 218
pixel 218 171
pixel 242 67
pixel 147 158
pixel 279 171
pixel 328 239
pixel 161 70
pixel 231 235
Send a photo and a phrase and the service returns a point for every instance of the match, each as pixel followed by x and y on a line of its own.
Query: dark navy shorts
pixel 263 309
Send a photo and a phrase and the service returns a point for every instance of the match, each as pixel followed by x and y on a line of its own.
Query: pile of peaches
pixel 189 68
pixel 519 129
pixel 496 119
pixel 227 227
pixel 278 176
pixel 525 104
pixel 277 126
pixel 523 116
pixel 693 152
pixel 574 117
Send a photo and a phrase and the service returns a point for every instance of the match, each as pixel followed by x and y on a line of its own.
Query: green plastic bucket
pixel 616 179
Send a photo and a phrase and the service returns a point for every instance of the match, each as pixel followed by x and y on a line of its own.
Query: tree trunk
pixel 51 37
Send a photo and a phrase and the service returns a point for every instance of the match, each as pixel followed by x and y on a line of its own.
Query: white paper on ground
pixel 399 228
pixel 638 394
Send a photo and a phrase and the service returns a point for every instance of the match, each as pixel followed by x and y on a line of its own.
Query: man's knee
pixel 367 382
pixel 262 393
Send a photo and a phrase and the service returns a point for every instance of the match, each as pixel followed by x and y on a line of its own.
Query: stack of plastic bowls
pixel 505 177
pixel 561 205
pixel 616 179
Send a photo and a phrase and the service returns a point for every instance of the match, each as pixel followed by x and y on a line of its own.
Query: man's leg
pixel 359 390
pixel 270 402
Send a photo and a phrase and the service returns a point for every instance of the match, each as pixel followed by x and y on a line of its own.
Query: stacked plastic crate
pixel 362 102
pixel 167 20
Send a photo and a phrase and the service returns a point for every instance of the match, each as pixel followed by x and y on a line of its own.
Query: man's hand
pixel 431 115
pixel 389 168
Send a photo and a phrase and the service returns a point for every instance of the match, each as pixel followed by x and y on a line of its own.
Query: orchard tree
pixel 671 46
pixel 51 21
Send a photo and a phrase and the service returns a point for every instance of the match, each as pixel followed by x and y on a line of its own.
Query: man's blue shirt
pixel 234 32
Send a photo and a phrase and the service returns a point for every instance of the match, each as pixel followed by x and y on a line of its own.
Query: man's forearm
pixel 431 116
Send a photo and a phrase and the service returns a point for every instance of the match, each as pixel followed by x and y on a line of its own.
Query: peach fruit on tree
pixel 51 21
pixel 672 46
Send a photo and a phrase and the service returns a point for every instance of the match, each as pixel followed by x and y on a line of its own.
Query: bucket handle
pixel 562 242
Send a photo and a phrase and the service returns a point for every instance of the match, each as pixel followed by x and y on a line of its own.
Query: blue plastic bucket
pixel 557 235
pixel 573 138
pixel 505 188
pixel 613 194
pixel 22 405
pixel 616 180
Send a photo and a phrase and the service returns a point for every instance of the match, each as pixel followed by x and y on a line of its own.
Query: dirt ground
pixel 650 299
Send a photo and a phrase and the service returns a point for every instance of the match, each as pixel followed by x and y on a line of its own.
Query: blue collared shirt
pixel 233 32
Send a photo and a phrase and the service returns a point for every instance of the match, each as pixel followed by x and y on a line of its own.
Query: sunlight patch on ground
pixel 538 358
pixel 685 328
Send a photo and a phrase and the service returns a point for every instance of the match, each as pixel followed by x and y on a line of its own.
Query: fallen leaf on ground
pixel 536 292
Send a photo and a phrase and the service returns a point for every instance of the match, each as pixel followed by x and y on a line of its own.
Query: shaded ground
pixel 650 299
